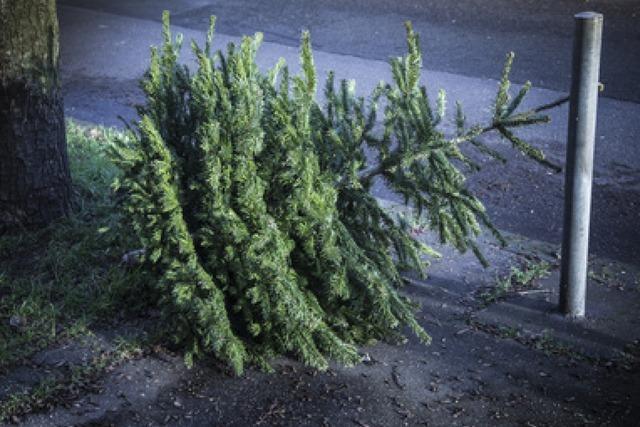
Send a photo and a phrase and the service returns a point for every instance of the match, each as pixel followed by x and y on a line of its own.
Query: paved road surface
pixel 467 37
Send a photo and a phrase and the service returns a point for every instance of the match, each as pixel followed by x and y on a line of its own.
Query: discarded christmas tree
pixel 253 203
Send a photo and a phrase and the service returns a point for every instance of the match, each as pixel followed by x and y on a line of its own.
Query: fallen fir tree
pixel 253 202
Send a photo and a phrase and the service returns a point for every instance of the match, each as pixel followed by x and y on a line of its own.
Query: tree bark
pixel 35 184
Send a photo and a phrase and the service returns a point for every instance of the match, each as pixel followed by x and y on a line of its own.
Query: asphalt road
pixel 468 37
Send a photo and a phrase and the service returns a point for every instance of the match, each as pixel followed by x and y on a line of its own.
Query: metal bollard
pixel 579 167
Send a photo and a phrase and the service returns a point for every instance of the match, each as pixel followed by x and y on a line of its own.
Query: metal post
pixel 579 167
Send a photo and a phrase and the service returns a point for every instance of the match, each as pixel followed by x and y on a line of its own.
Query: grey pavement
pixel 468 37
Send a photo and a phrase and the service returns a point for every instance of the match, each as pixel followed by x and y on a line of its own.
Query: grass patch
pixel 54 390
pixel 58 281
pixel 518 279
pixel 544 342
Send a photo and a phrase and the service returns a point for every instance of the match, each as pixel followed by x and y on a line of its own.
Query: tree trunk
pixel 35 185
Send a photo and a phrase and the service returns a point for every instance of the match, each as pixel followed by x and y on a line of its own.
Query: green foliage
pixel 518 279
pixel 253 202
